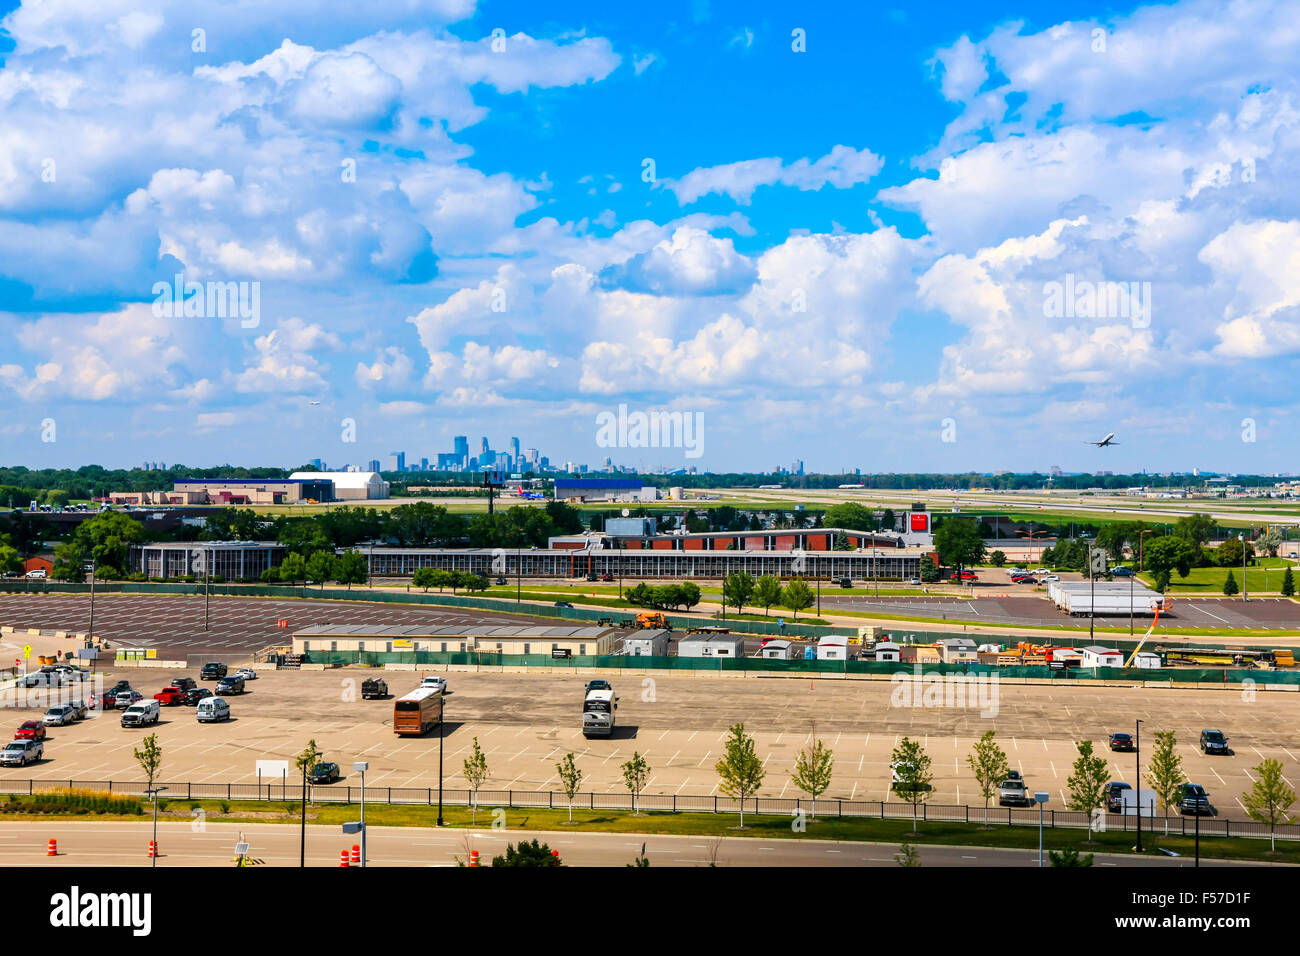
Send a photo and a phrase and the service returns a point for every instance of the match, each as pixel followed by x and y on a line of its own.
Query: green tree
pixel 767 592
pixel 293 567
pixel 842 542
pixel 149 756
pixel 740 770
pixel 737 588
pixel 1088 782
pixel 1165 772
pixel 351 568
pixel 1288 584
pixel 1229 554
pixel 476 774
pixel 528 854
pixel 1270 799
pixel 689 594
pixel 910 767
pixel 1068 856
pixel 1230 585
pixel 812 771
pixel 570 779
pixel 929 571
pixel 108 538
pixel 1168 554
pixel 907 856
pixel 320 567
pixel 1269 542
pixel 850 515
pixel 958 542
pixel 988 762
pixel 10 561
pixel 797 596
pixel 636 774
pixel 997 559
pixel 1196 529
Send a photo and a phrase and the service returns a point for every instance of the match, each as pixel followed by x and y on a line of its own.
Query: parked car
pixel 214 670
pixel 592 577
pixel 1014 775
pixel 324 772
pixel 963 576
pixel 1215 742
pixel 501 580
pixel 194 695
pixel 1115 795
pixel 598 684
pixel 59 716
pixel 913 581
pixel 1121 742
pixel 141 714
pixel 1121 572
pixel 1050 577
pixel 78 708
pixel 1013 793
pixel 437 683
pixel 233 684
pixel 247 673
pixel 36 573
pixel 607 576
pixel 126 698
pixel 563 604
pixel 171 696
pixel 1025 579
pixel 19 753
pixel 374 687
pixel 212 710
pixel 183 683
pixel 1195 800
pixel 1042 571
pixel 31 730
pixel 119 687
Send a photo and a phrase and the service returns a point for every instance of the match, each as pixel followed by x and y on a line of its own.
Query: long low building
pixel 387 639
pixel 243 560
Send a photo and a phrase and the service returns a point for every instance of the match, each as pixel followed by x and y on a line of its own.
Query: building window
pixel 528 649
pixel 334 645
pixel 582 648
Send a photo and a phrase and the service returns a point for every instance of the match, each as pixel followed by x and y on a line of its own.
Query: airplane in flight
pixel 313 403
pixel 1108 440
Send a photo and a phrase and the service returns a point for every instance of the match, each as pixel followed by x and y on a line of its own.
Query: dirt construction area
pixel 525 724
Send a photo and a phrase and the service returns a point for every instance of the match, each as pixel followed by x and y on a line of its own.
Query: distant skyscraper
pixel 461 450
pixel 315 463
pixel 424 464
pixel 372 465
pixel 514 453
pixel 397 461
pixel 484 447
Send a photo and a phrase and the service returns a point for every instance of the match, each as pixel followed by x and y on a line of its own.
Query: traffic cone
pixel 356 854
pixel 153 848
pixel 343 857
pixel 53 849
pixel 473 857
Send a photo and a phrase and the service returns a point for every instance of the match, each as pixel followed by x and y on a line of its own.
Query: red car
pixel 964 576
pixel 31 730
pixel 170 696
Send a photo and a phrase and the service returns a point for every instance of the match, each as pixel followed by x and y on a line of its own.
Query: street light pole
pixel 1244 593
pixel 1137 758
pixel 362 766
pixel 154 791
pixel 442 732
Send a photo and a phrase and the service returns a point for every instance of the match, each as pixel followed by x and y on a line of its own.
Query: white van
pixel 141 713
pixel 213 709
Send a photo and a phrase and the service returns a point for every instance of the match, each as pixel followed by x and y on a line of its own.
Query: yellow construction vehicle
pixel 653 619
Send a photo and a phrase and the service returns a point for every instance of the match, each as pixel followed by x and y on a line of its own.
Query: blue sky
pixel 845 254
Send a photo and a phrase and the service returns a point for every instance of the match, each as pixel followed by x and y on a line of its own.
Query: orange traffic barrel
pixel 53 849
pixel 343 857
pixel 153 848
pixel 473 857
pixel 356 853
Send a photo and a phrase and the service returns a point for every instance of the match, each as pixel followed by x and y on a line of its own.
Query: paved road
pixel 126 844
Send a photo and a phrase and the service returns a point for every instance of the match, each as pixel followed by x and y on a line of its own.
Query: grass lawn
pixel 1263 577
pixel 771 827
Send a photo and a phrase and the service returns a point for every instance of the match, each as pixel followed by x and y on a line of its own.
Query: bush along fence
pixel 1210 826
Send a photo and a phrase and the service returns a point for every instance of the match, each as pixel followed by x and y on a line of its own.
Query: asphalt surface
pixel 126 844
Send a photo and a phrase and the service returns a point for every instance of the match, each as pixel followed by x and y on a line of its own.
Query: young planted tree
pixel 740 769
pixel 320 567
pixel 907 856
pixel 1068 856
pixel 636 773
pixel 988 762
pixel 1165 772
pixel 910 765
pixel 293 567
pixel 149 757
pixel 1088 782
pixel 998 558
pixel 812 771
pixel 767 592
pixel 1288 584
pixel 1270 799
pixel 476 774
pixel 570 779
pixel 1230 585
pixel 737 588
pixel 797 596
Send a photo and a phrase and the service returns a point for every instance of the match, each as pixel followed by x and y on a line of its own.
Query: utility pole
pixel 1137 758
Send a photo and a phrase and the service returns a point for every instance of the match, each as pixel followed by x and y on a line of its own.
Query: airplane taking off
pixel 313 403
pixel 1108 440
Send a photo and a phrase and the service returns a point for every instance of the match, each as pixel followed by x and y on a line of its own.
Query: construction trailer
pixel 645 644
pixel 778 651
pixel 712 645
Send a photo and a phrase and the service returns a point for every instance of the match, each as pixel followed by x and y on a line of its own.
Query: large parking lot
pixel 172 625
pixel 526 723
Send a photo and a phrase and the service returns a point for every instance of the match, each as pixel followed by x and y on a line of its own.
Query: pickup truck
pixel 170 696
pixel 214 670
pixel 374 687
pixel 1013 793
